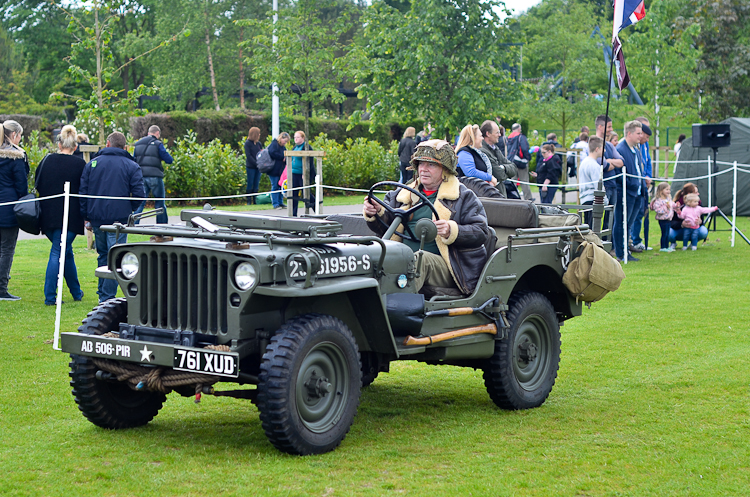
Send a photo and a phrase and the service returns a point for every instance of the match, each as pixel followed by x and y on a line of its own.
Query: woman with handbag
pixel 51 175
pixel 14 169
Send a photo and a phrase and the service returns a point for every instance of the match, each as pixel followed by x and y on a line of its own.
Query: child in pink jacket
pixel 691 220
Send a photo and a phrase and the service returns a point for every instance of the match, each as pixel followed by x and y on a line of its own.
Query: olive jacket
pixel 502 168
pixel 464 250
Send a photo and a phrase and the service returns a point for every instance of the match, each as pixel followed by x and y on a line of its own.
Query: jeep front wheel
pixel 522 372
pixel 309 385
pixel 109 404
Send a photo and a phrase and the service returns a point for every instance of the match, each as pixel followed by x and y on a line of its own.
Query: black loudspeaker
pixel 711 135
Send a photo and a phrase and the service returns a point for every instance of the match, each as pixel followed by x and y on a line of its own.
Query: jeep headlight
pixel 129 265
pixel 245 275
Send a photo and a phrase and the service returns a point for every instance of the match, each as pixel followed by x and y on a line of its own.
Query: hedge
pixel 231 127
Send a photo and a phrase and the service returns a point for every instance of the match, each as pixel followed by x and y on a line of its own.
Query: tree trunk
pixel 100 98
pixel 242 75
pixel 211 66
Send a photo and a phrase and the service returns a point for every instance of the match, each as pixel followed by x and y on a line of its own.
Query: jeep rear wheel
pixel 522 372
pixel 109 404
pixel 309 385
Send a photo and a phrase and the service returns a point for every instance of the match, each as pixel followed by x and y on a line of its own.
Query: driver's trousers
pixel 435 272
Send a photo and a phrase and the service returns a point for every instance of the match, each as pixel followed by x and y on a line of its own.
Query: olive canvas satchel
pixel 593 274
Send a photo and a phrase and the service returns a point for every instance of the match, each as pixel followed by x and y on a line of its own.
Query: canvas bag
pixel 593 274
pixel 264 161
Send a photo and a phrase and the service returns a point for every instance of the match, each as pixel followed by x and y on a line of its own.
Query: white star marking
pixel 145 354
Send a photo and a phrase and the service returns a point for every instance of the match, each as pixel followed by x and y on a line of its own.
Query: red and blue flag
pixel 627 12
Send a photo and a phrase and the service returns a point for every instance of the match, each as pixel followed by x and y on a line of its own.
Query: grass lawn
pixel 651 400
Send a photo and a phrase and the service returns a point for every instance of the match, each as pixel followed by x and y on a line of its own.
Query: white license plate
pixel 206 362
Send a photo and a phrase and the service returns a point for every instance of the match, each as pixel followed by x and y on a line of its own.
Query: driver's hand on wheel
pixel 443 227
pixel 371 208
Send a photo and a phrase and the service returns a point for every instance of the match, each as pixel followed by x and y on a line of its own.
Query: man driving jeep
pixel 457 256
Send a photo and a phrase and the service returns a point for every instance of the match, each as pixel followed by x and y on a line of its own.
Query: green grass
pixel 651 400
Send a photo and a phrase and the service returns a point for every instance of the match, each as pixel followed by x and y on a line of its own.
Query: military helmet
pixel 437 151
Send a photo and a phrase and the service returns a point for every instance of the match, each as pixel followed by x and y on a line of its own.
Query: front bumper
pixel 192 359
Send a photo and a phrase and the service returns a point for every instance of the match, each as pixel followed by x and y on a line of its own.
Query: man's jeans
pixel 640 210
pixel 53 267
pixel 8 237
pixel 155 186
pixel 276 197
pixel 620 236
pixel 104 241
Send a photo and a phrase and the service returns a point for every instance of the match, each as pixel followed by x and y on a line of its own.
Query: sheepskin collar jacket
pixel 464 250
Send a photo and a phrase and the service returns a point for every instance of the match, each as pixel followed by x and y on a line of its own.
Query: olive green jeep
pixel 302 313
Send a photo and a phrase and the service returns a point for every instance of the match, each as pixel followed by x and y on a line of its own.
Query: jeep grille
pixel 183 292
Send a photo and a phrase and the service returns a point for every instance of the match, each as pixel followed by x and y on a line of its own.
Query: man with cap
pixel 642 205
pixel 457 256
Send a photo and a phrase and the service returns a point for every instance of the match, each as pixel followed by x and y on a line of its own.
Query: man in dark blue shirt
pixel 641 207
pixel 630 151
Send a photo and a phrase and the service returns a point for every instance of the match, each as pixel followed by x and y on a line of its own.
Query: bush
pixel 203 170
pixel 356 163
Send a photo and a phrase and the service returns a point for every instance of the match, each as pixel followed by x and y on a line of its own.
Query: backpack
pixel 515 154
pixel 593 274
pixel 264 161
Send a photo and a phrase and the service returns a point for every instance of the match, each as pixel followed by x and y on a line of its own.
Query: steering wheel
pixel 401 214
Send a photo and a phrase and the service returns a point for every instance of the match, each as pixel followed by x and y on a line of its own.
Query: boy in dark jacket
pixel 113 173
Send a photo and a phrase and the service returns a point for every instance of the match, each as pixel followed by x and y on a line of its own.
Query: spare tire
pixel 480 187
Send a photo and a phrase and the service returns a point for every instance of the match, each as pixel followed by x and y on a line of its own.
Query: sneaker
pixel 649 248
pixel 7 296
pixel 684 248
pixel 279 207
pixel 693 248
pixel 638 248
pixel 632 259
pixel 52 303
pixel 665 250
pixel 673 246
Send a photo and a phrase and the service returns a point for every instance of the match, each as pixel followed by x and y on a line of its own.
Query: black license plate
pixel 206 362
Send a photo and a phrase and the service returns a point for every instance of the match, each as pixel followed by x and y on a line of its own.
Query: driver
pixel 457 256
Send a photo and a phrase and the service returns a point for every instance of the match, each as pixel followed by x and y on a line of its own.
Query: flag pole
pixel 609 93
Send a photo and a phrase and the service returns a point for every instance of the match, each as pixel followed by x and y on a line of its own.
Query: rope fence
pixel 318 187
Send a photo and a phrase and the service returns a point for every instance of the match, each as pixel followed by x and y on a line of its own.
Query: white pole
pixel 275 89
pixel 709 181
pixel 61 269
pixel 624 217
pixel 734 202
pixel 319 188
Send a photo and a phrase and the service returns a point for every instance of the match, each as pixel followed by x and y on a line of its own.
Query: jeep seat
pixel 506 215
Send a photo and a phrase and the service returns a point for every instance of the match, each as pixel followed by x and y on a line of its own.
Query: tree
pixel 307 62
pixel 92 28
pixel 441 61
pixel 662 57
pixel 725 61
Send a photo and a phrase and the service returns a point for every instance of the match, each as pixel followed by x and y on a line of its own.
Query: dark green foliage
pixel 232 127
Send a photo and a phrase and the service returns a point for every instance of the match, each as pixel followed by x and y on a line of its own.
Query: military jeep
pixel 305 312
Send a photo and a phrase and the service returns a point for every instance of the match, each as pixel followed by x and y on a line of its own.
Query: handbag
pixel 28 214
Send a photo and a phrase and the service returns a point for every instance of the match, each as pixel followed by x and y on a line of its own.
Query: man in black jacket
pixel 502 168
pixel 113 173
pixel 457 256
pixel 149 152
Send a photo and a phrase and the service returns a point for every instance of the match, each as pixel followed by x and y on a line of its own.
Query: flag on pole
pixel 623 80
pixel 627 12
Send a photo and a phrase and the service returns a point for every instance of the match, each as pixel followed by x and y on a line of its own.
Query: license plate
pixel 206 362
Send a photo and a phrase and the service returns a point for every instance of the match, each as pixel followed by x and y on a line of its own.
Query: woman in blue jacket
pixel 14 169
